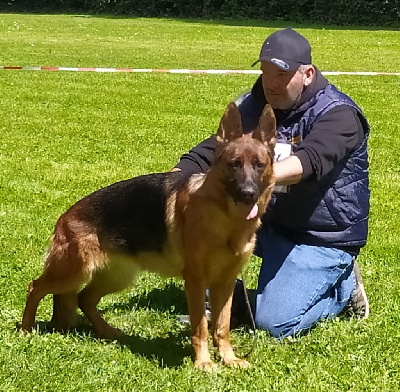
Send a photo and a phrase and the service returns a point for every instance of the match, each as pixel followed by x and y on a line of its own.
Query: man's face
pixel 283 89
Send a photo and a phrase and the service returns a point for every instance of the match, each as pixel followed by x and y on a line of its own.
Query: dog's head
pixel 245 160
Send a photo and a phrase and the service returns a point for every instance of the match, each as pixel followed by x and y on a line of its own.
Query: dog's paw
pixel 207 365
pixel 237 363
pixel 24 332
pixel 24 329
pixel 110 333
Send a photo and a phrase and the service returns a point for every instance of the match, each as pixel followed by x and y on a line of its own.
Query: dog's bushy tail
pixel 73 257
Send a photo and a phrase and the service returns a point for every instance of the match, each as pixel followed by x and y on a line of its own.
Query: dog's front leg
pixel 195 294
pixel 221 304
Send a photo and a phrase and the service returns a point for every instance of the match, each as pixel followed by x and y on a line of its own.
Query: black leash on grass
pixel 253 324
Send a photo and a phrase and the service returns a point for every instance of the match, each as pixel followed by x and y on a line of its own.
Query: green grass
pixel 67 134
pixel 73 41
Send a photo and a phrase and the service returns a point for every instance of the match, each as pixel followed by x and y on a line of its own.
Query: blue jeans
pixel 299 285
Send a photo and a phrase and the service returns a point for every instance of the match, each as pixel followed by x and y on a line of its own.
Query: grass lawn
pixel 66 134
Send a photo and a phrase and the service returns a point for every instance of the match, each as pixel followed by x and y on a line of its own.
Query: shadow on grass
pixel 168 350
pixel 275 22
pixel 169 298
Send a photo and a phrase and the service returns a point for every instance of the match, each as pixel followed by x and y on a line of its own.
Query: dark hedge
pixel 335 12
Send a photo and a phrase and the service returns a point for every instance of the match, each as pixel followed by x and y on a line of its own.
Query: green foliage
pixel 65 134
pixel 339 12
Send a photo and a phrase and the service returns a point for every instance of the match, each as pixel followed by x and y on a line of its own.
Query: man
pixel 313 232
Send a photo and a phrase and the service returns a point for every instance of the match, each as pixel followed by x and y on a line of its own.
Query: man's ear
pixel 309 73
pixel 230 126
pixel 266 128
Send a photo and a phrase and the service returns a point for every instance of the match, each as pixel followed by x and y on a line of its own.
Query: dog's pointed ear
pixel 230 127
pixel 266 128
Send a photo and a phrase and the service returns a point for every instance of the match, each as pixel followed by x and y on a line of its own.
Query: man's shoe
pixel 358 304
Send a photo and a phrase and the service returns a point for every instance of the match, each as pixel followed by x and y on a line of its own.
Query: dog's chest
pixel 223 243
pixel 226 261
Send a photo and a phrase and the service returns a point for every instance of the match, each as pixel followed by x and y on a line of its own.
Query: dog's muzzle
pixel 247 193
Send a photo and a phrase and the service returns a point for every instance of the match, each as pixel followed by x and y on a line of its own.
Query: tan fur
pixel 208 242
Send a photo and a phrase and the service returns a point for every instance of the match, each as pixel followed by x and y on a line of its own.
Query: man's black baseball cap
pixel 287 49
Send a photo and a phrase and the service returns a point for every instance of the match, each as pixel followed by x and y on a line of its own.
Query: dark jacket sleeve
pixel 199 158
pixel 335 135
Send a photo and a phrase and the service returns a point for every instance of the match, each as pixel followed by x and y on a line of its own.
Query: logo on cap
pixel 280 63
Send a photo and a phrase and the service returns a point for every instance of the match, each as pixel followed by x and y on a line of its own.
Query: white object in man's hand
pixel 282 151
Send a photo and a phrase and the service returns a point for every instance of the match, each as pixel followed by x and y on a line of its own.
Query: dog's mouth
pixel 245 197
pixel 250 211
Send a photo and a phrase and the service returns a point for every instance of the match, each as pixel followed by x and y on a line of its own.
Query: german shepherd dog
pixel 201 228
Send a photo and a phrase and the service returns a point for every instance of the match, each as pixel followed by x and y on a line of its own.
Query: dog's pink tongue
pixel 253 212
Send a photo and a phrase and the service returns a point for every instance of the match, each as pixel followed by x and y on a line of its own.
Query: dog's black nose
pixel 248 192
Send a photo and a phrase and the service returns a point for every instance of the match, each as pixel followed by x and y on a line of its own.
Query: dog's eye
pixel 236 164
pixel 258 164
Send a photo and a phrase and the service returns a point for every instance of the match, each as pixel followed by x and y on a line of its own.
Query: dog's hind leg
pixel 116 277
pixel 35 295
pixel 63 276
pixel 39 288
pixel 64 311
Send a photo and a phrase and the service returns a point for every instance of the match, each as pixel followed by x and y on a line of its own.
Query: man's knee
pixel 277 326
